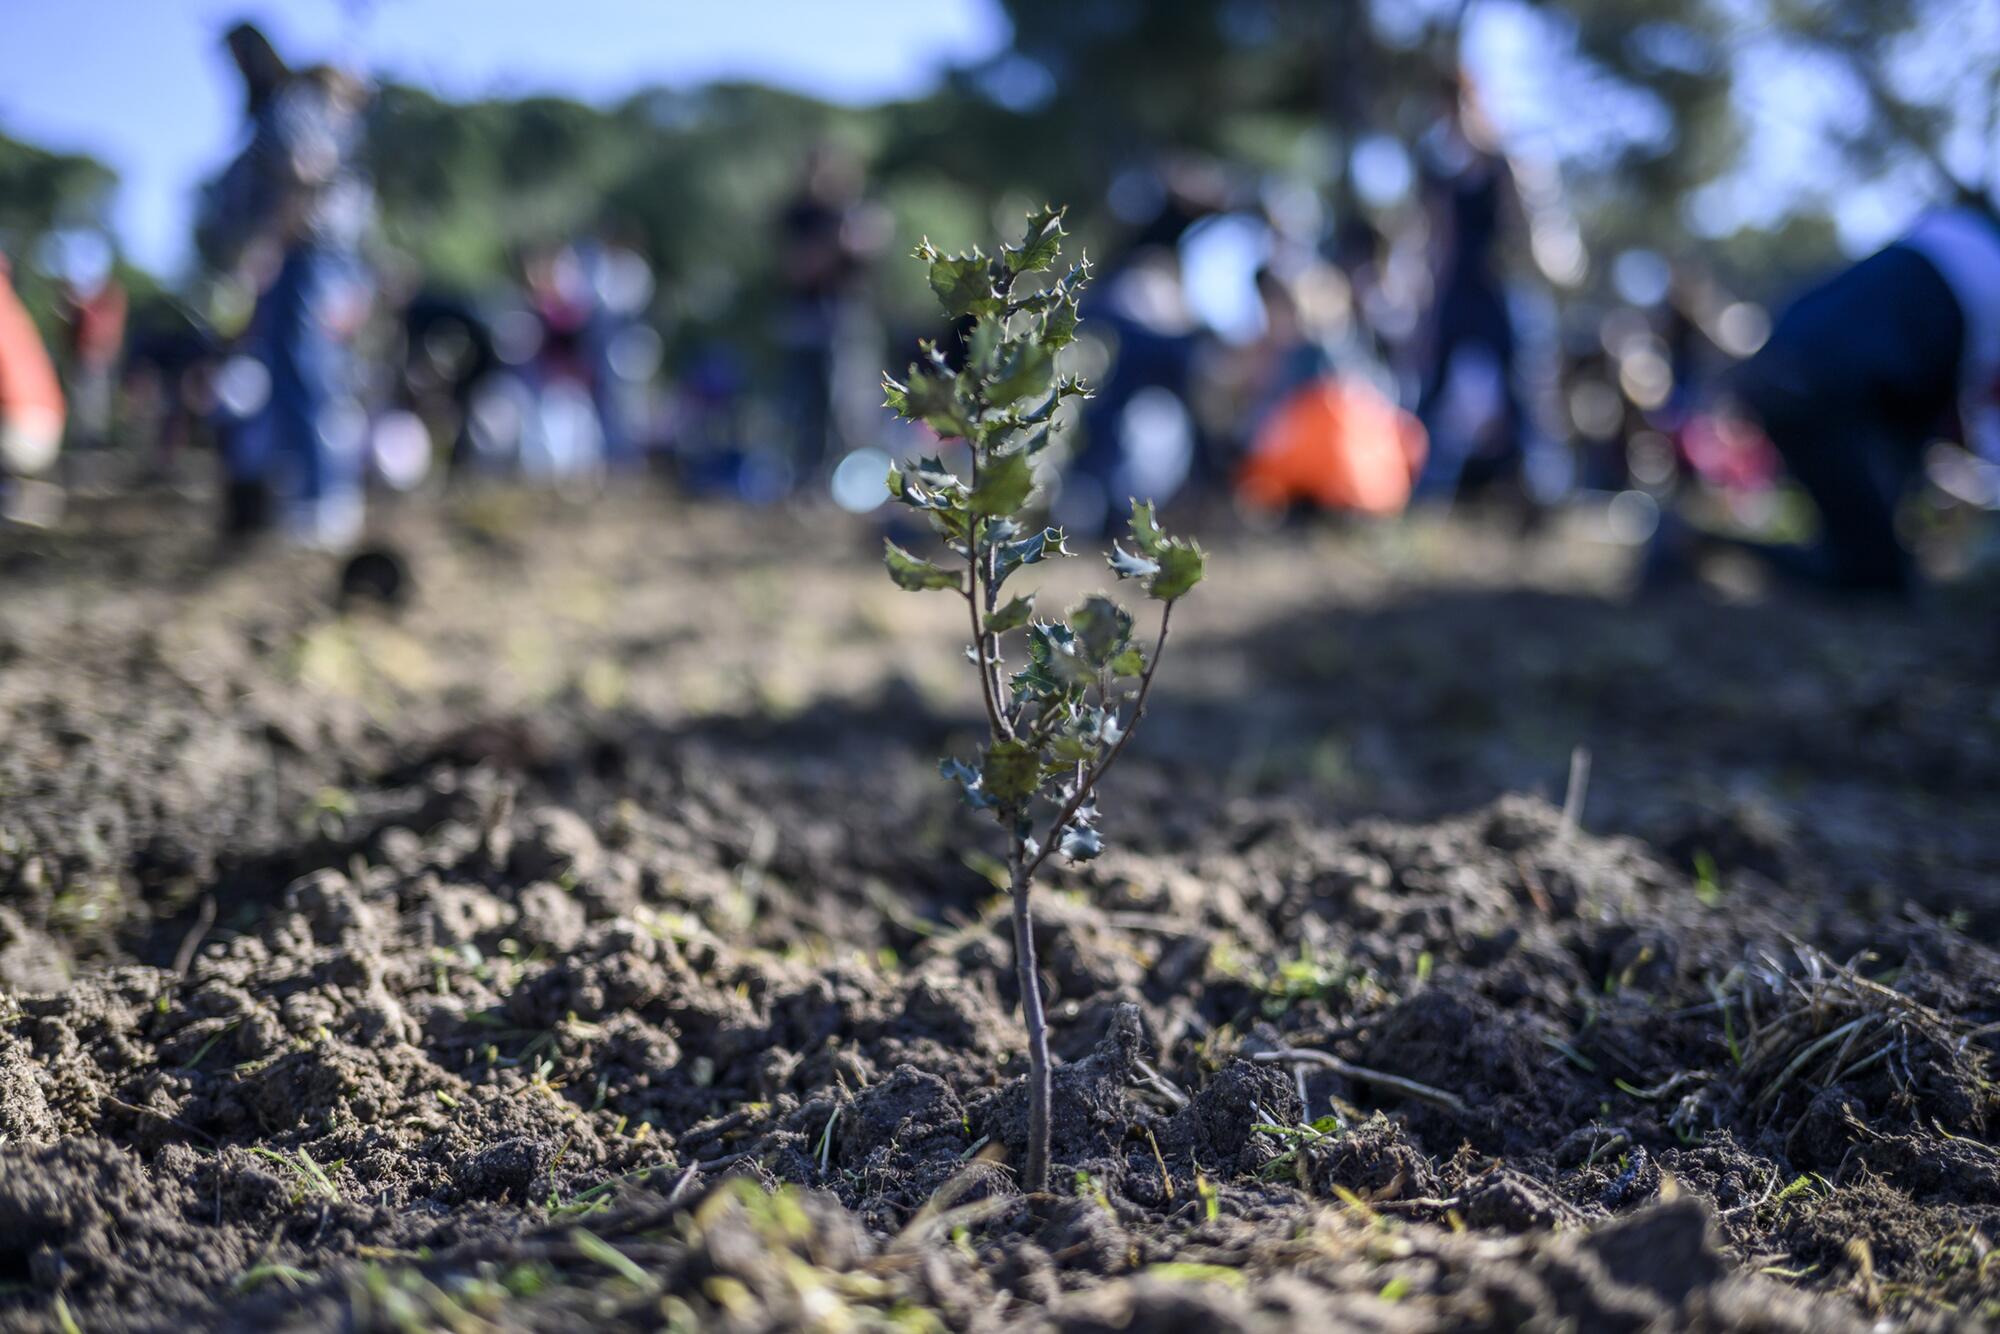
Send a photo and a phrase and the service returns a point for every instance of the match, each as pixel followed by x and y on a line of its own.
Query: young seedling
pixel 1059 723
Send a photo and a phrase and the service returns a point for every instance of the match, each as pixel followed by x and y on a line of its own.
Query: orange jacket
pixel 1338 446
pixel 28 386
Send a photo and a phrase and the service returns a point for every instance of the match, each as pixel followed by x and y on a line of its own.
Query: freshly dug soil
pixel 588 941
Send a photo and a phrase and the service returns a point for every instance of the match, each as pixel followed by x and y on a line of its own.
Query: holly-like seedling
pixel 1055 726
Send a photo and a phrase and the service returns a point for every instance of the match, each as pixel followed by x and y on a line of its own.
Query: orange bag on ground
pixel 31 401
pixel 1335 445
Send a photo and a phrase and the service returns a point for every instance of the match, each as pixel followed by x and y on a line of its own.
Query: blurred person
pixel 264 71
pixel 285 221
pixel 623 350
pixel 828 236
pixel 1288 354
pixel 1138 437
pixel 1860 374
pixel 447 352
pixel 1378 318
pixel 1313 328
pixel 1470 401
pixel 1697 349
pixel 31 413
pixel 565 440
pixel 170 364
pixel 719 445
pixel 1695 337
pixel 93 312
pixel 1323 434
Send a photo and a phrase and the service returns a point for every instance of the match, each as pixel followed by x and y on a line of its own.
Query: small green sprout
pixel 1707 883
pixel 1055 726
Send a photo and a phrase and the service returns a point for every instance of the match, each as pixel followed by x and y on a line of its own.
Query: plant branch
pixel 1001 727
pixel 1044 727
pixel 993 640
pixel 1089 783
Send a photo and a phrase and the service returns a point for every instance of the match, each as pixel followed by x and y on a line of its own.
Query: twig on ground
pixel 682 1185
pixel 1409 1088
pixel 1419 1202
pixel 1578 789
pixel 170 1120
pixel 184 956
pixel 1160 1084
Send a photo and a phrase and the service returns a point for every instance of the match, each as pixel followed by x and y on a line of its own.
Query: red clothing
pixel 97 325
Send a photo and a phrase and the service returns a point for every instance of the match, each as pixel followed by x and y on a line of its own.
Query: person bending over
pixel 1864 370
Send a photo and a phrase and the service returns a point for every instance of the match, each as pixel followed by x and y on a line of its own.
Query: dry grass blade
pixel 1805 1055
pixel 1821 1022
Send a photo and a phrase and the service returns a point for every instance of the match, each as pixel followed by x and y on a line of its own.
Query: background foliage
pixel 1646 103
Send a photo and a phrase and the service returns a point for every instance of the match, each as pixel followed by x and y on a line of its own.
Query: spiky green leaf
pixel 964 285
pixel 1003 486
pixel 968 780
pixel 953 524
pixel 1038 414
pixel 929 486
pixel 931 473
pixel 938 399
pixel 983 344
pixel 1103 628
pixel 1128 566
pixel 1010 772
pixel 1059 325
pixel 1146 533
pixel 1012 616
pixel 914 572
pixel 1029 442
pixel 1040 245
pixel 1182 565
pixel 1030 550
pixel 1069 748
pixel 1024 368
pixel 1057 650
pixel 1080 843
pixel 1035 682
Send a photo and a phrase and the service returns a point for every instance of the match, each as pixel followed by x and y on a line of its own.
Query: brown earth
pixel 590 942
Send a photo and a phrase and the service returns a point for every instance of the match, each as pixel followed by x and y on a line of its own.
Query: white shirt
pixel 1963 244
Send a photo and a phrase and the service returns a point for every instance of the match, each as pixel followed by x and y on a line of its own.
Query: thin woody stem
pixel 1035 1173
pixel 1001 731
pixel 992 658
pixel 988 689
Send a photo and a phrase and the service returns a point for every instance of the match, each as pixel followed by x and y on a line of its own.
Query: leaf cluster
pixel 1058 720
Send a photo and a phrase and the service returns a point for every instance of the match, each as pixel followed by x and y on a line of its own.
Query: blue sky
pixel 144 85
